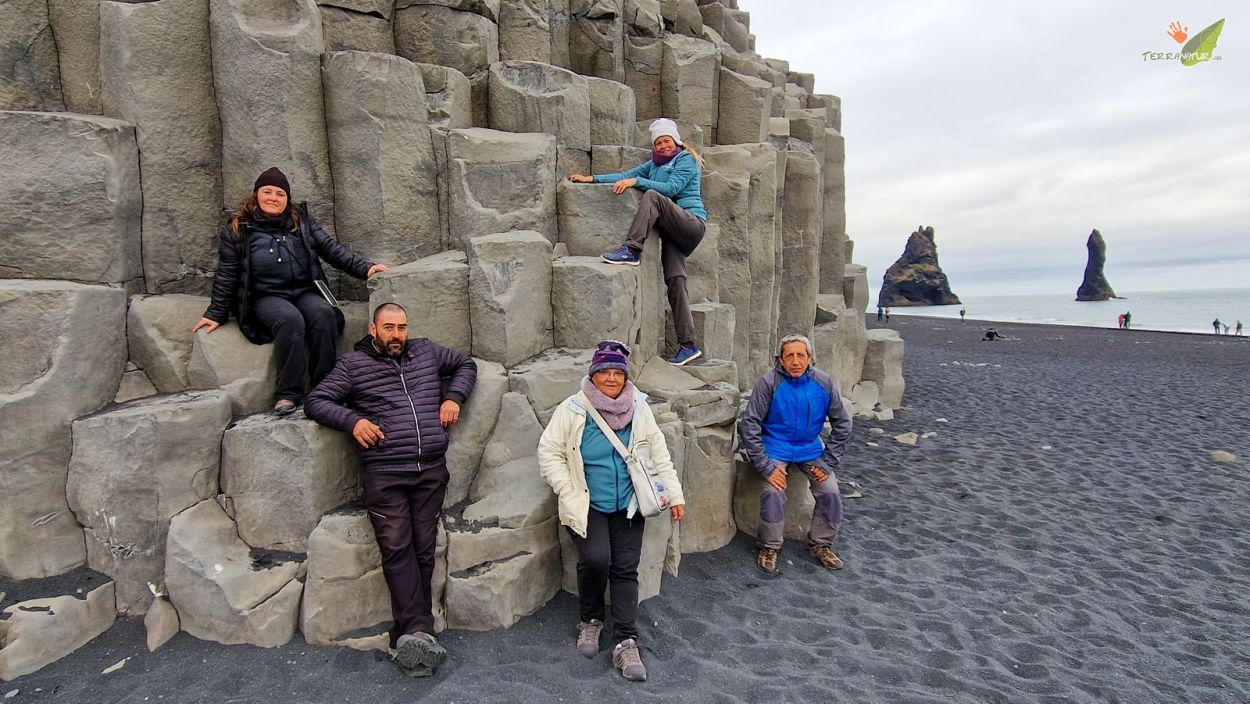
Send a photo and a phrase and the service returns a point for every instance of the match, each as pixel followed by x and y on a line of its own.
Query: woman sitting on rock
pixel 673 204
pixel 268 266
pixel 596 497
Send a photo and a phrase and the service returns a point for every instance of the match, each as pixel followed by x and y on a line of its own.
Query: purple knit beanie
pixel 610 354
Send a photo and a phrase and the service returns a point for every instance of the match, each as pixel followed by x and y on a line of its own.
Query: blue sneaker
pixel 622 255
pixel 685 355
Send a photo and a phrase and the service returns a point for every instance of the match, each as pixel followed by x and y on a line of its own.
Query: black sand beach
pixel 1064 537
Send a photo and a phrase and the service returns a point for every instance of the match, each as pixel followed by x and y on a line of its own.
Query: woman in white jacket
pixel 596 498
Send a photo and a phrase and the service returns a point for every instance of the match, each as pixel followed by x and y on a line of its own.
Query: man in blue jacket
pixel 388 394
pixel 781 433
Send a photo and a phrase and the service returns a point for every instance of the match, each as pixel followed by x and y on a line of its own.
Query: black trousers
pixel 680 233
pixel 404 508
pixel 306 336
pixel 609 555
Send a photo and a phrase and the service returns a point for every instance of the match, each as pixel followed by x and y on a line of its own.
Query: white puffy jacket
pixel 560 457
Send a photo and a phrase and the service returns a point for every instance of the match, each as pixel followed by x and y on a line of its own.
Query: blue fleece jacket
pixel 607 477
pixel 784 418
pixel 678 179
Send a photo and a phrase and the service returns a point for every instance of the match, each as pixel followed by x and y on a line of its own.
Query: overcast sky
pixel 1015 128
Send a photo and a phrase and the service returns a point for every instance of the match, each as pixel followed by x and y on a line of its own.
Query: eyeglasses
pixel 614 346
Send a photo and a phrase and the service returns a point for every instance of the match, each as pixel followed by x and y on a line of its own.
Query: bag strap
pixel 603 425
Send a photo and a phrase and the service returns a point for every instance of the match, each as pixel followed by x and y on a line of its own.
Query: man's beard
pixel 386 350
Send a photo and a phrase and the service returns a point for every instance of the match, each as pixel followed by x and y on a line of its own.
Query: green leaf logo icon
pixel 1202 45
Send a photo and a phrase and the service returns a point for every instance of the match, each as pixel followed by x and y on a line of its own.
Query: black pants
pixel 680 233
pixel 609 554
pixel 404 508
pixel 306 335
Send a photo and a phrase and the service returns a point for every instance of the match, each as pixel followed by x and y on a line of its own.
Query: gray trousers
pixel 680 232
pixel 826 517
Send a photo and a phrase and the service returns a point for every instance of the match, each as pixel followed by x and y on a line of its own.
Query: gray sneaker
pixel 417 651
pixel 625 657
pixel 588 637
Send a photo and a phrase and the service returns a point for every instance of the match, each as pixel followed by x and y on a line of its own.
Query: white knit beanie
pixel 664 127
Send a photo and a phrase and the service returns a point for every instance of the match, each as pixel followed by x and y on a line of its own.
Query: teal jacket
pixel 678 179
pixel 607 476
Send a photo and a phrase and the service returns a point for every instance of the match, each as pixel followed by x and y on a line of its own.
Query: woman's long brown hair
pixel 249 209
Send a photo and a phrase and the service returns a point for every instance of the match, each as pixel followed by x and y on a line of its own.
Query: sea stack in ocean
pixel 1095 286
pixel 916 279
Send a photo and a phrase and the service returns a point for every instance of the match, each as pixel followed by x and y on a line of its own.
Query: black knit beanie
pixel 272 176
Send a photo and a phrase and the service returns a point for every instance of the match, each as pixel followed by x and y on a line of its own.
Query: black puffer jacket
pixel 232 287
pixel 401 395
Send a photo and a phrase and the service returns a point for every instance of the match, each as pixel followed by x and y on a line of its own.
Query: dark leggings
pixel 305 334
pixel 609 554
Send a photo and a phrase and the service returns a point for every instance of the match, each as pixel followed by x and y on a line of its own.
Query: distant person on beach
pixel 1119 321
pixel 1226 329
pixel 887 314
pixel 1216 324
pixel 389 395
pixel 780 434
pixel 595 496
pixel 1128 320
pixel 672 203
pixel 991 335
pixel 879 309
pixel 962 313
pixel 1239 327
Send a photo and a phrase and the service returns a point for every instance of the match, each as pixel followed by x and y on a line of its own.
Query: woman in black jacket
pixel 269 262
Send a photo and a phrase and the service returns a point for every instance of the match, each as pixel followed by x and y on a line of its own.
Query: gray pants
pixel 680 232
pixel 826 517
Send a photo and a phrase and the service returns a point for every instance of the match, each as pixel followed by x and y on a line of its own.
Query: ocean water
pixel 1177 311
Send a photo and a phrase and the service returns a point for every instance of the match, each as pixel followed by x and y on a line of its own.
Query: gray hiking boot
pixel 588 637
pixel 418 652
pixel 625 657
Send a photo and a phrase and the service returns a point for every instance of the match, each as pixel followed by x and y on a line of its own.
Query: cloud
pixel 1014 129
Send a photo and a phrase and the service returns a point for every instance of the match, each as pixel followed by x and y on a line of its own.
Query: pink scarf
pixel 619 411
pixel 661 159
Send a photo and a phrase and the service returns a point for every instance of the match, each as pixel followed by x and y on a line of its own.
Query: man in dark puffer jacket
pixel 388 395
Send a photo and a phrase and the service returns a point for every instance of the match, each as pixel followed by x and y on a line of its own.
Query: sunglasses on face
pixel 614 346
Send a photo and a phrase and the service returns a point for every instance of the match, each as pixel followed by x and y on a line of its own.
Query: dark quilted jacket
pixel 232 286
pixel 401 395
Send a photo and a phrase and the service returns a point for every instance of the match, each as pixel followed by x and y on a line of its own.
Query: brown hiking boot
pixel 625 658
pixel 766 560
pixel 827 557
pixel 588 637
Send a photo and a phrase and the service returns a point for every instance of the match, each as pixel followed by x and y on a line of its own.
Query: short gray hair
pixel 796 338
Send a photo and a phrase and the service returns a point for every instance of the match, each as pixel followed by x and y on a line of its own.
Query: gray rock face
pixel 224 359
pixel 683 15
pixel 497 576
pixel 695 402
pixel 709 489
pixel 840 348
pixel 831 105
pixel 134 384
pixel 644 17
pixel 279 475
pixel 435 293
pixel 644 62
pixel 448 97
pixel 916 278
pixel 510 295
pixel 509 491
pixel 76 27
pixel 381 157
pixel 66 350
pixel 746 505
pixel 612 112
pixel 743 109
pixel 421 32
pixel 158 63
pixel 592 219
pixel 30 74
pixel 347 30
pixel 525 31
pixel 833 243
pixel 280 123
pixel 345 590
pixel 731 24
pixel 498 182
pixel 714 329
pixel 883 363
pixel 161 623
pixel 71 195
pixel 531 97
pixel 549 378
pixel 592 300
pixel 802 228
pixel 855 287
pixel 39 632
pixel 1094 287
pixel 596 34
pixel 691 76
pixel 470 434
pixel 125 492
pixel 221 592
pixel 612 159
pixel 703 270
pixel 158 329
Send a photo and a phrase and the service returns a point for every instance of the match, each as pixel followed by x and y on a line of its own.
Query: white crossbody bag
pixel 652 494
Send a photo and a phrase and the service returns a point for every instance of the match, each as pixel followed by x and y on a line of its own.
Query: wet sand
pixel 1063 538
